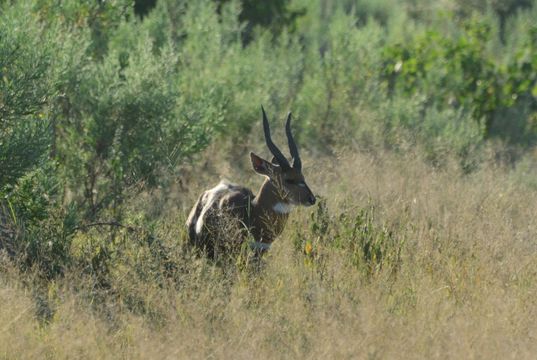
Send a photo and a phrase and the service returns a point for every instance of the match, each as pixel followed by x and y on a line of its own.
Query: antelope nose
pixel 311 199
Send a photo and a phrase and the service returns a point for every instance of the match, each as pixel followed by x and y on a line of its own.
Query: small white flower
pixel 398 66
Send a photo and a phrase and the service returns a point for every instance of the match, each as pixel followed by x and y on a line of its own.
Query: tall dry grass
pixel 464 284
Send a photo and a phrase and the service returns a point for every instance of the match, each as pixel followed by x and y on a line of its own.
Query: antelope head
pixel 287 178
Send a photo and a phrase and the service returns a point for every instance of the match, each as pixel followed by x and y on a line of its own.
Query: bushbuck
pixel 262 215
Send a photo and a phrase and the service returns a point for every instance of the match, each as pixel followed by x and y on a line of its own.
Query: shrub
pixel 368 246
pixel 25 89
pixel 460 73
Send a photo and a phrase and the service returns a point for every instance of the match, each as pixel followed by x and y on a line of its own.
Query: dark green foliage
pixel 460 72
pixel 24 90
pixel 275 15
pixel 126 125
pixel 41 227
pixel 142 7
pixel 23 146
pixel 469 79
pixel 99 123
pixel 504 9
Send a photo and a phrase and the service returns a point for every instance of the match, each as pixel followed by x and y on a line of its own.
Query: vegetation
pixel 417 121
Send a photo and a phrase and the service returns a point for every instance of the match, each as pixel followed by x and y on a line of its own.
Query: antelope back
pixel 220 213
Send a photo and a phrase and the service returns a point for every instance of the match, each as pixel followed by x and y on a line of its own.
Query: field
pixel 416 123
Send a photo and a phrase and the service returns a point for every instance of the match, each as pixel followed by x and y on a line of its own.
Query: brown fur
pixel 236 206
pixel 227 207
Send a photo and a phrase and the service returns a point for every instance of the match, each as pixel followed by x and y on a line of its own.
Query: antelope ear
pixel 261 166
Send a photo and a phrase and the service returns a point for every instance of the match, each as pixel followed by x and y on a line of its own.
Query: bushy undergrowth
pixel 417 120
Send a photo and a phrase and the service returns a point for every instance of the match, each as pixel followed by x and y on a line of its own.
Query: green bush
pixel 370 247
pixel 25 89
pixel 41 228
pixel 461 73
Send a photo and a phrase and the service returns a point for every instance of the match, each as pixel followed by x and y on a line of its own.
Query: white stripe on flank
pixel 208 203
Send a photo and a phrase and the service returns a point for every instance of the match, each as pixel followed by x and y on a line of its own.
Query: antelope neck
pixel 269 199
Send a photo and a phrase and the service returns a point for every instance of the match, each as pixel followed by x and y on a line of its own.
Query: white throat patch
pixel 282 208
